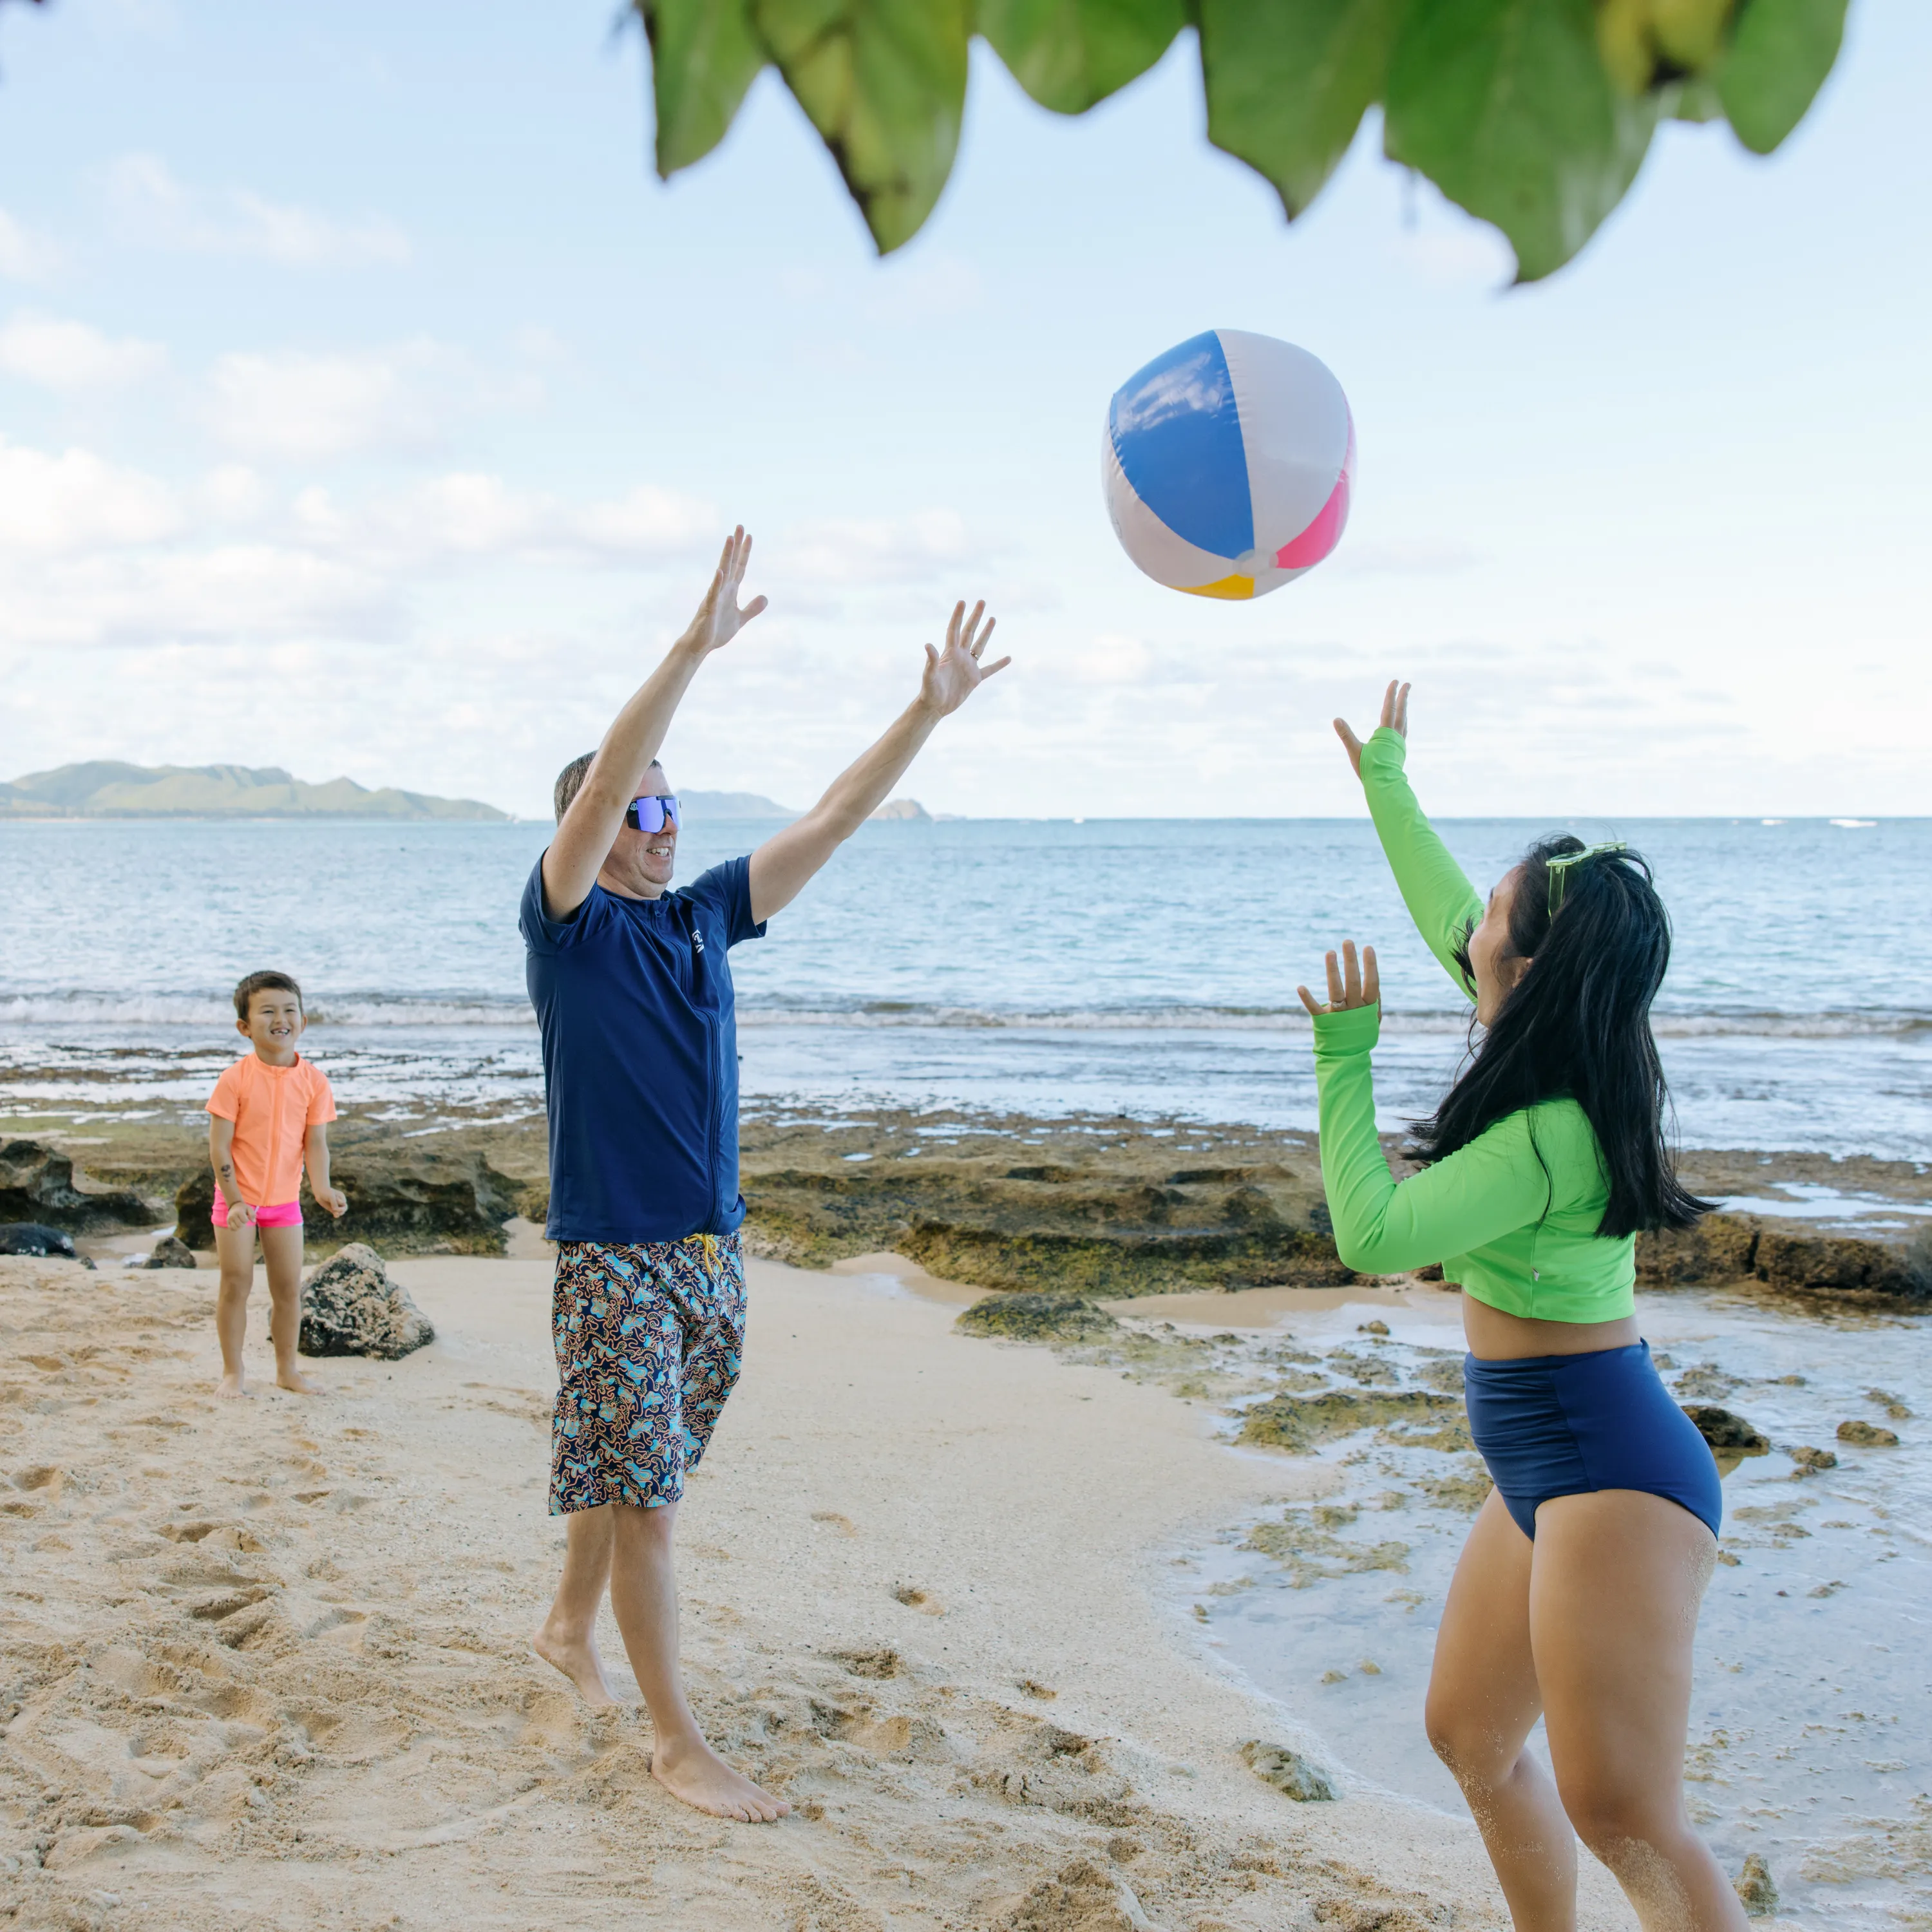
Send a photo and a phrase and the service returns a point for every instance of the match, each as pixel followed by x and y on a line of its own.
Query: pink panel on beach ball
pixel 1303 552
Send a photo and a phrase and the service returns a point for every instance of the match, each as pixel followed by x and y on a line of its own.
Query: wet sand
pixel 264 1664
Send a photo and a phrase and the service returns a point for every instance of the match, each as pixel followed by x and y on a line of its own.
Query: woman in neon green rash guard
pixel 1576 1597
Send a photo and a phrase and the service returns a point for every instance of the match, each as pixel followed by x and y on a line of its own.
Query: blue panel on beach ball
pixel 1178 436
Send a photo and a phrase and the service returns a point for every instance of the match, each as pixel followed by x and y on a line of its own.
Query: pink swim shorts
pixel 281 1214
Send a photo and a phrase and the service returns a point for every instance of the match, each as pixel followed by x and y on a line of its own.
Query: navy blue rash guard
pixel 640 1057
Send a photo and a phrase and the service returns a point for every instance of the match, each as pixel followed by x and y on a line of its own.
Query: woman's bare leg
pixel 567 1638
pixel 1614 1593
pixel 643 1595
pixel 282 1250
pixel 1483 1701
pixel 234 1249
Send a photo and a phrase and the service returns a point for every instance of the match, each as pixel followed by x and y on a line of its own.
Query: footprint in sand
pixel 844 1525
pixel 915 1599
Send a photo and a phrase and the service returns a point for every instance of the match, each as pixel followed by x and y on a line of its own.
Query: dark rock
pixel 351 1307
pixel 37 1185
pixel 1433 1272
pixel 1722 1429
pixel 1036 1318
pixel 1077 1226
pixel 1289 1771
pixel 34 1238
pixel 414 1202
pixel 1867 1436
pixel 1811 1264
pixel 1737 1247
pixel 170 1253
pixel 1810 1461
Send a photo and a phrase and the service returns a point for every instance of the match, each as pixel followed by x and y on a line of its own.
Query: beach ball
pixel 1229 463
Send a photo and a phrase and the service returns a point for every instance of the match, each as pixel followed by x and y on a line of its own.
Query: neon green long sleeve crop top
pixel 1512 1217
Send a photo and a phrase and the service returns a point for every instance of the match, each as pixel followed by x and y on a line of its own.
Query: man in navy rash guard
pixel 633 992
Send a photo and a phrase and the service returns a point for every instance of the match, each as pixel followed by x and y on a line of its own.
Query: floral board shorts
pixel 648 1336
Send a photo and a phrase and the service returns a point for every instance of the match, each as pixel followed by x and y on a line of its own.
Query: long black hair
pixel 1576 1026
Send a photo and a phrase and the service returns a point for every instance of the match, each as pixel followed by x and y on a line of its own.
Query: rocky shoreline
pixel 1090 1205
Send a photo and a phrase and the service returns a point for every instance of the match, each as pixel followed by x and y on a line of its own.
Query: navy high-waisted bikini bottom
pixel 1561 1425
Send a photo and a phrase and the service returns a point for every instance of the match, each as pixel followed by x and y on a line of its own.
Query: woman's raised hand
pixel 1351 982
pixel 1395 718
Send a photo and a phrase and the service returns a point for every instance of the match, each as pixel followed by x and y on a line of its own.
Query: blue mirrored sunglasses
pixel 649 814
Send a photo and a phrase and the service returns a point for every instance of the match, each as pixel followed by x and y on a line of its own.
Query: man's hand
pixel 952 676
pixel 1395 718
pixel 719 619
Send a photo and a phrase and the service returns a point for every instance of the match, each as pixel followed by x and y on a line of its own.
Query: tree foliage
pixel 1533 115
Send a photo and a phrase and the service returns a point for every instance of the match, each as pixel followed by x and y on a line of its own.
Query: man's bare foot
pixel 696 1774
pixel 296 1382
pixel 232 1387
pixel 580 1662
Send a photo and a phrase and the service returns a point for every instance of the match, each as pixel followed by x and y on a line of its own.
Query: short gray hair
pixel 570 782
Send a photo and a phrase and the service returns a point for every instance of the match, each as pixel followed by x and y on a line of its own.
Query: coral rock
pixel 351 1307
pixel 1036 1318
pixel 1722 1429
pixel 1289 1771
pixel 1755 1888
pixel 170 1253
pixel 1867 1436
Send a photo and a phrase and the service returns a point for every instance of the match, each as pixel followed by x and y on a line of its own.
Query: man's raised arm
pixel 590 827
pixel 784 862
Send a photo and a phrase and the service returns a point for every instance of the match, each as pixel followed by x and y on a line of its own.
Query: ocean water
pixel 1811 1735
pixel 1050 966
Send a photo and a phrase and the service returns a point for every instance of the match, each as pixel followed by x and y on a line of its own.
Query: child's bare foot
pixel 695 1773
pixel 579 1660
pixel 295 1380
pixel 231 1387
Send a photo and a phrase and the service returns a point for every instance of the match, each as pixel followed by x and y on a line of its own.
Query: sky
pixel 368 406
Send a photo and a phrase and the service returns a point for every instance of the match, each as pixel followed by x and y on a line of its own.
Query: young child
pixel 267 1118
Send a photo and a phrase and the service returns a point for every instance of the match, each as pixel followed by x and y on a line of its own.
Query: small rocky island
pixel 104 788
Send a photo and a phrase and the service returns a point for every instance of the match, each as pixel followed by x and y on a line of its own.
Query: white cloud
pixel 1113 660
pixel 61 354
pixel 649 522
pixel 228 593
pixel 471 515
pixel 75 502
pixel 308 407
pixel 233 494
pixel 24 256
pixel 877 550
pixel 157 209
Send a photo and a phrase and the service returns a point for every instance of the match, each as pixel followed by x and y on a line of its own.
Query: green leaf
pixel 1068 54
pixel 1288 81
pixel 884 82
pixel 703 56
pixel 1781 50
pixel 1505 105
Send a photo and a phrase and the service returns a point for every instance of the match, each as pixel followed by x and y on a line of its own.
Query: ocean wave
pixel 396 1012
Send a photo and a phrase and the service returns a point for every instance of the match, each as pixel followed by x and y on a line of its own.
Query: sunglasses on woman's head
pixel 650 814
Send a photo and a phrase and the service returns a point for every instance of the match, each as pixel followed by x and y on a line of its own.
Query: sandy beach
pixel 265 1663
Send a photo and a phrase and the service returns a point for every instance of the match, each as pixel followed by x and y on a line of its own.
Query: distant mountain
pixel 100 789
pixel 733 804
pixel 903 808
